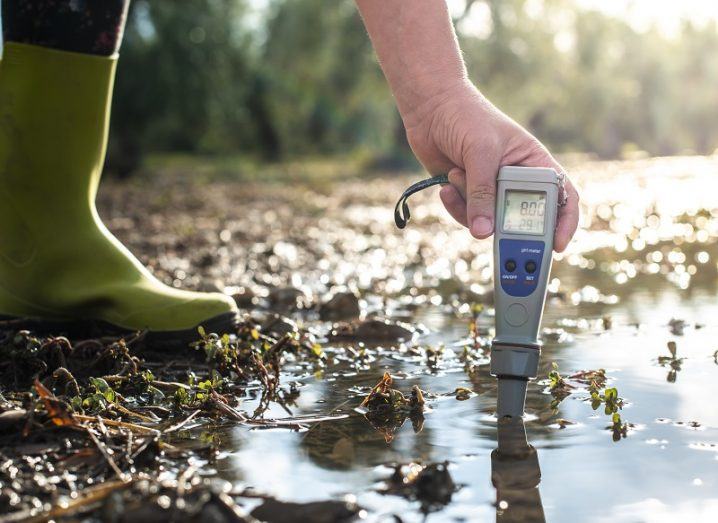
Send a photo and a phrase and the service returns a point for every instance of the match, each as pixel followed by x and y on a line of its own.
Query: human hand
pixel 457 130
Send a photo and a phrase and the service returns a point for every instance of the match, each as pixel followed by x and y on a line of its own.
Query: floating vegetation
pixel 463 394
pixel 618 428
pixel 387 408
pixel 612 403
pixel 474 355
pixel 557 384
pixel 673 362
pixel 610 400
pixel 560 387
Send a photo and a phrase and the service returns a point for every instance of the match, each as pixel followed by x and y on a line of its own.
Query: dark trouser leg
pixel 82 26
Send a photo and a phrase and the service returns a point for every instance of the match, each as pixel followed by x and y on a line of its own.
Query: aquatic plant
pixel 610 400
pixel 618 428
pixel 560 387
pixel 462 393
pixel 556 383
pixel 387 408
pixel 673 362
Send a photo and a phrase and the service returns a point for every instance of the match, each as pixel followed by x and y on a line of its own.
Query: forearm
pixel 417 48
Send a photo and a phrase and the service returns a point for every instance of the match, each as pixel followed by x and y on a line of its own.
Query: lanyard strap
pixel 401 211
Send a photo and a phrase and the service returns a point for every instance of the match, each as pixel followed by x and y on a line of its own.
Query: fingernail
pixel 482 227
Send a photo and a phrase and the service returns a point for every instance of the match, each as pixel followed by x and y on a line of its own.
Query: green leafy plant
pixel 555 380
pixel 100 396
pixel 559 388
pixel 387 408
pixel 673 362
pixel 618 427
pixel 609 399
pixel 612 404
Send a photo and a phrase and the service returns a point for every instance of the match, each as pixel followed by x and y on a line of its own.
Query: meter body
pixel 526 213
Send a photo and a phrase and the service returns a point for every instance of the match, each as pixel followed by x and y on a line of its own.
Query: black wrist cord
pixel 401 211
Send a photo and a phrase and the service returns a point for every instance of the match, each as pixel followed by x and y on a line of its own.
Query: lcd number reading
pixel 524 212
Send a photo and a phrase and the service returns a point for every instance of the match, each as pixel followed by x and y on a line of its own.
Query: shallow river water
pixel 641 273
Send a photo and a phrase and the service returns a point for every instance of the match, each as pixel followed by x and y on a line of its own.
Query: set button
pixel 530 267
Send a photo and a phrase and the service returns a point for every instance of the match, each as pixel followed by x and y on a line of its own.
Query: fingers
pixel 452 196
pixel 470 197
pixel 457 178
pixel 481 172
pixel 568 216
pixel 454 203
pixel 567 219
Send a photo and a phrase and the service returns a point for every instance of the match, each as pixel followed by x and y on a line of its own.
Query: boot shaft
pixel 54 117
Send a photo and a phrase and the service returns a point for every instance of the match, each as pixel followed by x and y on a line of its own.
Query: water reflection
pixel 515 473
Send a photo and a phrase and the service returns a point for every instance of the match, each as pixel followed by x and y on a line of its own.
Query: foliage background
pixel 275 80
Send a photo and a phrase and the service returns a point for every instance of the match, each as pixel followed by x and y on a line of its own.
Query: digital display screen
pixel 524 212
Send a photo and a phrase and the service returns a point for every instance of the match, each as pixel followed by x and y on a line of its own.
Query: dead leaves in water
pixel 58 411
pixel 561 387
pixel 387 408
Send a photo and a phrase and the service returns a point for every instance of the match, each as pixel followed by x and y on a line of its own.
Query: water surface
pixel 646 256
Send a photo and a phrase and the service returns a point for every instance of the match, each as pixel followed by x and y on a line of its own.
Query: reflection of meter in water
pixel 526 204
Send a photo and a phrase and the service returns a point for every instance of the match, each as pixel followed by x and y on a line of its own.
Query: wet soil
pixel 273 421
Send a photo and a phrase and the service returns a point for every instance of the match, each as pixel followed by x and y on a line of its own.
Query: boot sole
pixel 151 341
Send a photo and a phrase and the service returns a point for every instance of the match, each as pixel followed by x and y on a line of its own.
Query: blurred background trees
pixel 286 79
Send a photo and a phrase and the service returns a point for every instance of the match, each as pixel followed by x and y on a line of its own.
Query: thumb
pixel 481 172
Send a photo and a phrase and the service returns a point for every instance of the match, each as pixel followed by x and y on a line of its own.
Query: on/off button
pixel 516 315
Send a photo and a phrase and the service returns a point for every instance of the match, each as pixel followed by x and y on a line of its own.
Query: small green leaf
pixel 100 384
pixel 76 403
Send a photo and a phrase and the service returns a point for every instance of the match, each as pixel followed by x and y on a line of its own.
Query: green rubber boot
pixel 58 262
